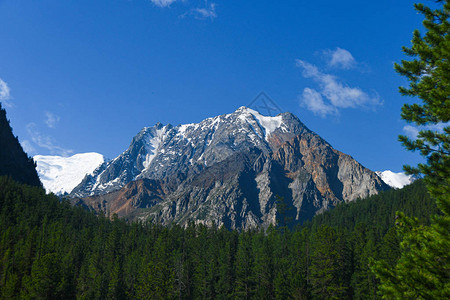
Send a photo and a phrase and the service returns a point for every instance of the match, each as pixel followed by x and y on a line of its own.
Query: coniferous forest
pixel 51 250
pixel 394 245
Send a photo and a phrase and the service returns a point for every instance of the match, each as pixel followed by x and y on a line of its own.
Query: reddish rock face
pixel 229 170
pixel 125 202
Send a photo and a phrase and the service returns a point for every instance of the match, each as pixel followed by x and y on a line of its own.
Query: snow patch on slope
pixel 184 127
pixel 395 180
pixel 269 124
pixel 152 145
pixel 62 174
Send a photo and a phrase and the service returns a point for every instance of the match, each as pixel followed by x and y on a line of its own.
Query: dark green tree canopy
pixel 423 269
pixel 429 76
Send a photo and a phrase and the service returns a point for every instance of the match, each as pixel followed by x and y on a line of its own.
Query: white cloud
pixel 337 94
pixel 413 132
pixel 208 12
pixel 438 127
pixel 163 3
pixel 5 94
pixel 340 58
pixel 27 147
pixel 201 13
pixel 51 119
pixel 313 101
pixel 45 142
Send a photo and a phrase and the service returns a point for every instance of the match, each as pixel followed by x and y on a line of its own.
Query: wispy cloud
pixel 28 147
pixel 163 3
pixel 45 141
pixel 5 94
pixel 313 101
pixel 208 12
pixel 340 58
pixel 200 12
pixel 51 119
pixel 413 131
pixel 334 95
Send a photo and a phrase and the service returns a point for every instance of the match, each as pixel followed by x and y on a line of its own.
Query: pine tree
pixel 227 257
pixel 300 261
pixel 263 268
pixel 364 247
pixel 423 269
pixel 429 77
pixel 45 281
pixel 328 266
pixel 245 281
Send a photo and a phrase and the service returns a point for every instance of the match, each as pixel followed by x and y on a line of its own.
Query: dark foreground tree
pixel 423 270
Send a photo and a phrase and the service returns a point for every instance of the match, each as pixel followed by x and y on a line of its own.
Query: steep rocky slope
pixel 231 170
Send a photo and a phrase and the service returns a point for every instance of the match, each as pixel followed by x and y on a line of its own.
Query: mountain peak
pixel 229 169
pixel 159 150
pixel 287 118
pixel 247 110
pixel 159 125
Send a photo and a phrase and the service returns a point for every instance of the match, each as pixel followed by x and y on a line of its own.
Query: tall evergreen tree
pixel 328 266
pixel 245 278
pixel 429 77
pixel 423 270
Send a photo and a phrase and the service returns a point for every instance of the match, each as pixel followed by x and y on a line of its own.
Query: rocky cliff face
pixel 229 170
pixel 14 162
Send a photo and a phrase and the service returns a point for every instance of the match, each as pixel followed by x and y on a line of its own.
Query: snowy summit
pixel 165 149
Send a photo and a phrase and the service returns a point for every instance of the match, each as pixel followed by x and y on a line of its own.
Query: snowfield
pixel 395 180
pixel 61 175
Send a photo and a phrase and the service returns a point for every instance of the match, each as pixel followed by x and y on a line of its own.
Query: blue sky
pixel 81 76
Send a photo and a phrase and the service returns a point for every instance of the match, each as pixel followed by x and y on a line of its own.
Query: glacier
pixel 61 175
pixel 395 180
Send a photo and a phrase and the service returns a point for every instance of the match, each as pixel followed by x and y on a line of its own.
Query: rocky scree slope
pixel 229 170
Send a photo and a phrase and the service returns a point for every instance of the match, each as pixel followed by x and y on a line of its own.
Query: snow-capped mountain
pixel 61 174
pixel 159 151
pixel 229 169
pixel 395 180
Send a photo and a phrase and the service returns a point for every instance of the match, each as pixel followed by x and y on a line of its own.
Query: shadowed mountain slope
pixel 229 170
pixel 14 162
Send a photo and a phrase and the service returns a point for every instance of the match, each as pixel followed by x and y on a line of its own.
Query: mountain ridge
pixel 228 170
pixel 135 163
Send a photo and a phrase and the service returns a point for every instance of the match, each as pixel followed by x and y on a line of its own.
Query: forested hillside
pixel 379 211
pixel 51 250
pixel 14 161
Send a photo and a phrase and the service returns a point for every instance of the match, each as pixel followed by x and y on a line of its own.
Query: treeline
pixel 50 250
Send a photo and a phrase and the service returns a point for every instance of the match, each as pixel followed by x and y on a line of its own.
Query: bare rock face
pixel 140 194
pixel 232 170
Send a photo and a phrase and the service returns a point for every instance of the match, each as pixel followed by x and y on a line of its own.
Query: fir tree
pixel 423 270
pixel 328 265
